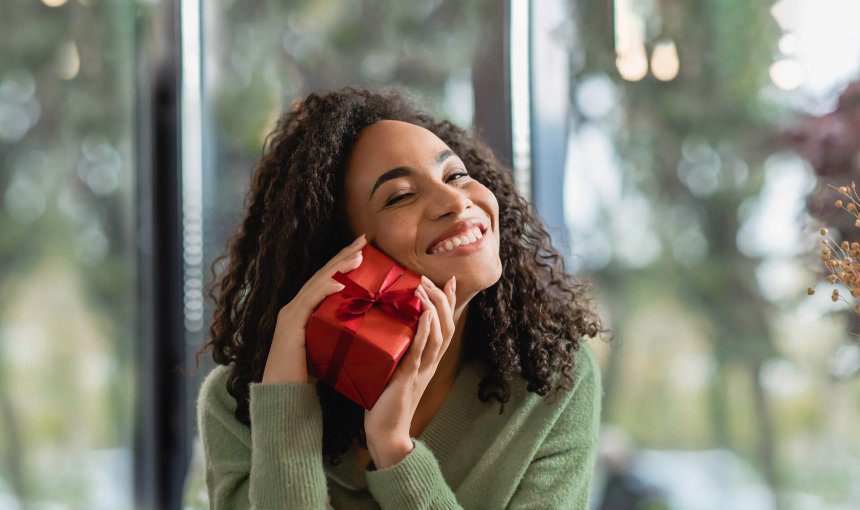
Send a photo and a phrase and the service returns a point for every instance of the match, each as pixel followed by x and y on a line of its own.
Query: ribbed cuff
pixel 414 482
pixel 286 438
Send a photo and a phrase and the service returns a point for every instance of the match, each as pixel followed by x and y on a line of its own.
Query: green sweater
pixel 539 453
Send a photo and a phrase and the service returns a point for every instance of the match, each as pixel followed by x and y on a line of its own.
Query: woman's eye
pixel 398 198
pixel 450 177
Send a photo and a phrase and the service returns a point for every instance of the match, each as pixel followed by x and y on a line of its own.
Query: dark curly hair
pixel 527 325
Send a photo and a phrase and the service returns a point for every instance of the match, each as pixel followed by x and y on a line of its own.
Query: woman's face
pixel 413 197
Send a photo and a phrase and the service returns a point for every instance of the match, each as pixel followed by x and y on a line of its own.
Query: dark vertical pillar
pixel 491 79
pixel 161 450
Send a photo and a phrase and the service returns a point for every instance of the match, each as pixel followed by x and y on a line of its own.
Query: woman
pixel 496 403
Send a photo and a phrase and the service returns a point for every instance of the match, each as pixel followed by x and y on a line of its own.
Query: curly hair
pixel 526 325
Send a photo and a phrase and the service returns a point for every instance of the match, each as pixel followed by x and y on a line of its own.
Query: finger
pixel 329 288
pixel 435 337
pixel 344 254
pixel 310 297
pixel 344 265
pixel 357 244
pixel 322 284
pixel 349 263
pixel 349 250
pixel 451 292
pixel 440 302
pixel 437 295
pixel 433 350
pixel 426 304
pixel 445 316
pixel 412 359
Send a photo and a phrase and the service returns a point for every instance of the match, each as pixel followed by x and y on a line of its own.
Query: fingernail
pixel 425 280
pixel 358 239
pixel 454 282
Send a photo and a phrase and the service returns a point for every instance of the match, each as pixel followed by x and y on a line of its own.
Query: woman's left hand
pixel 387 425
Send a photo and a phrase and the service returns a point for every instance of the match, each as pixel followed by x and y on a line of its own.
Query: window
pixel 68 305
pixel 691 222
pixel 257 58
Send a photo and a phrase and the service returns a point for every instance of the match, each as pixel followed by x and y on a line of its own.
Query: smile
pixel 460 244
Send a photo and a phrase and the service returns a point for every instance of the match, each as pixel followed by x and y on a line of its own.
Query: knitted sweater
pixel 539 453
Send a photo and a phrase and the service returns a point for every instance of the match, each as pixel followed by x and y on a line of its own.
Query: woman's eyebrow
pixel 443 155
pixel 405 171
pixel 394 173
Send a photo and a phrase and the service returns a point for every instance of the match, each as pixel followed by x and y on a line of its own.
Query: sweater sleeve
pixel 277 463
pixel 560 474
pixel 414 482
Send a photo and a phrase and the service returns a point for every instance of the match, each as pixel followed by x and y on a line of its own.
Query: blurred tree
pixel 66 128
pixel 685 146
pixel 262 55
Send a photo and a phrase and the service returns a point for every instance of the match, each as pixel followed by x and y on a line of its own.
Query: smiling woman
pixel 502 322
pixel 424 207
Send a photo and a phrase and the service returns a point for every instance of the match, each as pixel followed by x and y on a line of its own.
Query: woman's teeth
pixel 456 241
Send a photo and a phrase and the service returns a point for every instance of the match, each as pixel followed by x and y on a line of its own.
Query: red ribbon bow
pixel 400 304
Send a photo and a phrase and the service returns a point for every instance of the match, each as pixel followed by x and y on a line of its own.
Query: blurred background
pixel 679 152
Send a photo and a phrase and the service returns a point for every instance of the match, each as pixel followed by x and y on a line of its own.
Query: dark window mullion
pixel 161 451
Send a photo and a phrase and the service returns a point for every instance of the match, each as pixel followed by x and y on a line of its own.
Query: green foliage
pixel 65 194
pixel 708 122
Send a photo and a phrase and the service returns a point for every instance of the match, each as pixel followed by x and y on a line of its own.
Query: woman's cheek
pixel 397 240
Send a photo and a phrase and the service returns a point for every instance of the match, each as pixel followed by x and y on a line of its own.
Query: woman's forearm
pixel 286 453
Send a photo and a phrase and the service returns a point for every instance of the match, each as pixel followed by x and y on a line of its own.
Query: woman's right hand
pixel 287 357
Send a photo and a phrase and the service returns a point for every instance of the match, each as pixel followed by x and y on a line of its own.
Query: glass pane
pixel 67 254
pixel 261 56
pixel 688 210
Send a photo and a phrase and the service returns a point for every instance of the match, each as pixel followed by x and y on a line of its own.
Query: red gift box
pixel 356 337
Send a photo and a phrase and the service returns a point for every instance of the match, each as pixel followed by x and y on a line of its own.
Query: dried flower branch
pixel 843 259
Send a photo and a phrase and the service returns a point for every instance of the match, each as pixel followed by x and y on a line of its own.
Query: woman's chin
pixel 473 282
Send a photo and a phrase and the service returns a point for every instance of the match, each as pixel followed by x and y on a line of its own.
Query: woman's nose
pixel 447 199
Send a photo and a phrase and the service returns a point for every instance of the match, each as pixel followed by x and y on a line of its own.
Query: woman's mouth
pixel 464 243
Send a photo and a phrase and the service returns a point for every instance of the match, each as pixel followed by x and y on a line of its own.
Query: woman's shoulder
pixel 583 401
pixel 582 391
pixel 213 395
pixel 584 375
pixel 586 369
pixel 586 386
